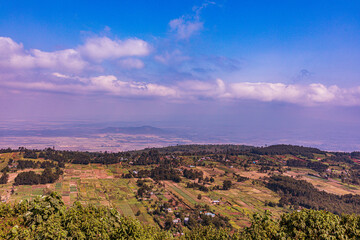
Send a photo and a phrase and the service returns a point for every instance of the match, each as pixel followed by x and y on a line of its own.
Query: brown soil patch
pixel 89 174
pixel 12 177
pixel 39 186
pixel 66 199
pixel 211 172
pixel 73 184
pixel 250 174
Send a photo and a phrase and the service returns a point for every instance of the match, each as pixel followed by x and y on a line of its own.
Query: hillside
pixel 181 188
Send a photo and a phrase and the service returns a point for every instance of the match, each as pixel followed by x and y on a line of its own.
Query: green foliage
pixel 31 178
pixel 207 233
pixel 43 208
pixel 311 224
pixel 262 227
pixel 304 224
pixel 47 217
pixel 4 178
pixel 282 149
pixel 227 185
pixel 302 193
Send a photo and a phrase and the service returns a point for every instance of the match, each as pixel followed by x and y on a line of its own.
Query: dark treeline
pixel 317 166
pixel 355 154
pixel 197 149
pixel 219 153
pixel 9 150
pixel 4 178
pixel 75 157
pixel 23 164
pixel 341 158
pixel 287 149
pixel 198 186
pixel 32 178
pixel 300 193
pixel 192 174
pixel 234 150
pixel 164 173
pixel 30 154
pixel 147 158
pixel 296 163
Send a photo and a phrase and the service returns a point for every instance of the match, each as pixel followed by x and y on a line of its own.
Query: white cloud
pixel 68 75
pixel 68 59
pixel 188 25
pixel 185 27
pixel 190 90
pixel 8 46
pixel 308 95
pixel 14 57
pixel 129 89
pixel 312 94
pixel 60 75
pixel 102 48
pixel 200 89
pixel 131 63
pixel 106 84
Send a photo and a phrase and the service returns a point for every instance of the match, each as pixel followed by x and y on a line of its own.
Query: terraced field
pixel 103 185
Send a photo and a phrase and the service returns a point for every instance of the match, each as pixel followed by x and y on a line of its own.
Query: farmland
pixel 117 185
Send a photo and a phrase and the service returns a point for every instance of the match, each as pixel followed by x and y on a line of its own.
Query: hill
pixel 184 187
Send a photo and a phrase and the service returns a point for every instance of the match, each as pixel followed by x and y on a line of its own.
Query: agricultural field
pixel 116 185
pixel 89 184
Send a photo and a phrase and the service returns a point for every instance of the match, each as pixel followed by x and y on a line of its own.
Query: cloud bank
pixel 79 70
pixel 185 91
pixel 13 56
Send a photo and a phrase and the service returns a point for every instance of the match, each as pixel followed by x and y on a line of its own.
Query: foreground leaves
pixel 47 217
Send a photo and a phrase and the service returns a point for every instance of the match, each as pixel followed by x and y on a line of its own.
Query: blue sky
pixel 181 60
pixel 276 38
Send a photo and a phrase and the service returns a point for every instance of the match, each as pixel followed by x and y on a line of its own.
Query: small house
pixel 210 214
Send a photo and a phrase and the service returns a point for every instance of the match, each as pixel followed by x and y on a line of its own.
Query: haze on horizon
pixel 250 72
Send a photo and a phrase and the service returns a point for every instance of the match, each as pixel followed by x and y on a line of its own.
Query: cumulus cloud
pixel 306 95
pixel 68 59
pixel 13 56
pixel 102 48
pixel 8 46
pixel 105 84
pixel 201 89
pixel 65 71
pixel 114 86
pixel 311 94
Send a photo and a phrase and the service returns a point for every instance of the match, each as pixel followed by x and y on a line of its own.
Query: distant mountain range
pixel 84 131
pixel 135 130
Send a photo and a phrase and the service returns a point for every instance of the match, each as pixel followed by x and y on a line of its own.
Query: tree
pixel 227 185
pixel 4 178
pixel 199 197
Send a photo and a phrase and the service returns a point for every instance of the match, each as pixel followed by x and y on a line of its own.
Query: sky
pixel 255 65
